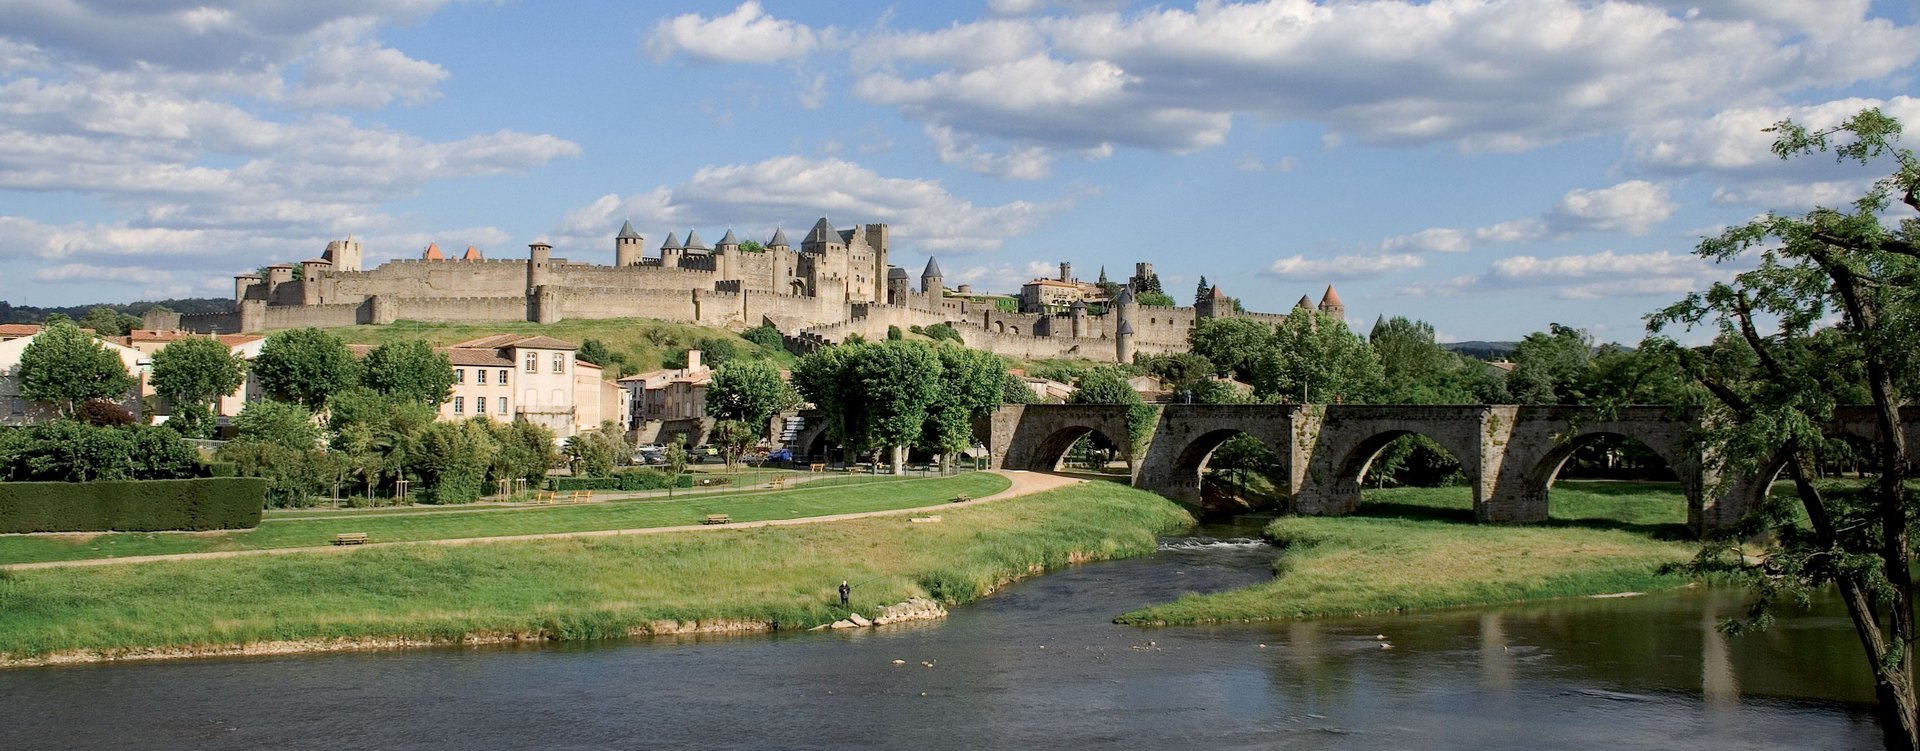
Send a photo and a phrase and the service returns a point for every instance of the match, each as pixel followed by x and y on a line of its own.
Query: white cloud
pixel 365 76
pixel 1022 163
pixel 747 35
pixel 1437 239
pixel 793 191
pixel 1594 276
pixel 1253 163
pixel 1342 267
pixel 1632 207
pixel 1789 196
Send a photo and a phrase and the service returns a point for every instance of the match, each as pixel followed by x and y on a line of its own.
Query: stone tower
pixel 877 242
pixel 671 251
pixel 932 285
pixel 899 287
pixel 1124 309
pixel 727 256
pixel 1330 303
pixel 1214 305
pixel 1078 314
pixel 539 261
pixel 626 246
pixel 345 254
pixel 1142 276
pixel 779 240
pixel 1066 271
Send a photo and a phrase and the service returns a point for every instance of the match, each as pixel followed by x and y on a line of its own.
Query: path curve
pixel 1021 483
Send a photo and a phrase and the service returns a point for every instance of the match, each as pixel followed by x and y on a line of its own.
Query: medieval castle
pixel 836 284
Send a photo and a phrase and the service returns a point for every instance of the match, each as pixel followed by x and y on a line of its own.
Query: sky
pixel 1488 166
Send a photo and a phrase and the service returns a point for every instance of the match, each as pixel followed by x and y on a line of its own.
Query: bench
pixel 718 519
pixel 779 483
pixel 542 497
pixel 580 496
pixel 962 498
pixel 350 538
pixel 816 468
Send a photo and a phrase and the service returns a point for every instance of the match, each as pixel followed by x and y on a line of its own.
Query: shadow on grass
pixel 1455 515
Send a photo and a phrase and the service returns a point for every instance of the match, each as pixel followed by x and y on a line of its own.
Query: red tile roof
pixel 433 253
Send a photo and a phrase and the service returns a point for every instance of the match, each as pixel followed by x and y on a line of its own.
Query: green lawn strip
pixel 579 588
pixel 801 501
pixel 1371 564
pixel 736 487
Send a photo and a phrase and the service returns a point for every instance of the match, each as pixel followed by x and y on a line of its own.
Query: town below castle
pixel 836 284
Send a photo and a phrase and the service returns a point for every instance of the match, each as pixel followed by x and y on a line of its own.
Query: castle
pixel 836 284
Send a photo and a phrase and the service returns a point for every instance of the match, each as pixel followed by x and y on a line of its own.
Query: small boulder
pixel 859 620
pixel 844 624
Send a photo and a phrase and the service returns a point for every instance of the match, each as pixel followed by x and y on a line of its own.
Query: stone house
pixel 20 411
pixel 535 378
pixel 670 400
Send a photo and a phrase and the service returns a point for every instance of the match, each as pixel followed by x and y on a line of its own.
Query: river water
pixel 1038 666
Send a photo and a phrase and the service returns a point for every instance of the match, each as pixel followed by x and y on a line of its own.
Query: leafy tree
pixel 104 413
pixel 1233 345
pixel 525 452
pixel 944 332
pixel 1315 358
pixel 875 395
pixel 1006 305
pixel 766 336
pixel 1202 292
pixel 305 367
pixel 676 455
pixel 106 321
pixel 192 420
pixel 751 392
pixel 1150 285
pixel 279 423
pixel 1014 390
pixel 279 441
pixel 1180 371
pixel 375 435
pixel 1157 299
pixel 1417 370
pixel 972 385
pixel 596 352
pixel 410 371
pixel 64 367
pixel 1552 367
pixel 453 459
pixel 71 451
pixel 1783 361
pixel 1108 385
pixel 752 246
pixel 591 453
pixel 734 437
pixel 194 372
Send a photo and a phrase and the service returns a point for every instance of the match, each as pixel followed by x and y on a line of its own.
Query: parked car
pixel 780 455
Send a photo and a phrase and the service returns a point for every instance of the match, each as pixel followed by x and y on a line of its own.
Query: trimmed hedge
pixel 628 480
pixel 132 505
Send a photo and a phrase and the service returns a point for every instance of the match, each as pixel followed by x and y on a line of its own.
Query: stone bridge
pixel 1510 454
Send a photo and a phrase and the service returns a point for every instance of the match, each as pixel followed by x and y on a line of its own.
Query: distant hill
pixel 10 313
pixel 1483 350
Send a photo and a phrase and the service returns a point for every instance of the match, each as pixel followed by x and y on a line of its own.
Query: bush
pixel 132 505
pixel 295 477
pixel 894 335
pixel 766 336
pixel 71 451
pixel 222 469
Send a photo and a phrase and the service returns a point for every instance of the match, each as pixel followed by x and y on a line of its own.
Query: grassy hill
pixel 638 344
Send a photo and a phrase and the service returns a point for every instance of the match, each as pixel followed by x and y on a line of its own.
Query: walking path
pixel 1023 483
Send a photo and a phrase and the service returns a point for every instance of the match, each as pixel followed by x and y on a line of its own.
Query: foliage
pixel 593 453
pixel 1156 299
pixel 1006 305
pixel 1552 367
pixel 943 332
pixel 106 321
pixel 676 455
pixel 894 334
pixel 1014 390
pixel 1828 311
pixel 195 371
pixel 748 392
pixel 1417 370
pixel 972 384
pixel 1233 345
pixel 278 423
pixel 596 352
pixel 734 438
pixel 1202 292
pixel 1108 385
pixel 71 451
pixel 524 451
pixel 103 412
pixel 192 420
pixel 409 371
pixel 766 336
pixel 295 476
pixel 131 505
pixel 1315 358
pixel 1180 371
pixel 65 367
pixel 305 367
pixel 875 396
pixel 453 460
pixel 374 435
pixel 752 246
pixel 1149 285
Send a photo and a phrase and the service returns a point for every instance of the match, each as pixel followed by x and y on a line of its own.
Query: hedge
pixel 628 480
pixel 132 505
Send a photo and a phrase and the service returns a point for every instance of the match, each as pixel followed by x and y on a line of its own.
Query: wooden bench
pixel 816 468
pixel 580 496
pixel 779 483
pixel 542 497
pixel 350 538
pixel 962 498
pixel 718 519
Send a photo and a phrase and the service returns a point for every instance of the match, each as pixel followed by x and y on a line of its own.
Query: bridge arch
pixel 1187 435
pixel 1346 472
pixel 1037 436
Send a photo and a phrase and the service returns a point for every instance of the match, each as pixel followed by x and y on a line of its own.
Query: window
pixel 459 375
pixel 503 405
pixel 533 362
pixel 559 362
pixel 503 376
pixel 19 406
pixel 480 376
pixel 459 404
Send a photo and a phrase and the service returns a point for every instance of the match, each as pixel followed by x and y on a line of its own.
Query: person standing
pixel 845 589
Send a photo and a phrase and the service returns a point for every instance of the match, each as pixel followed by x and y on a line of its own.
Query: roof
pixel 433 253
pixel 779 238
pixel 672 243
pixel 1217 294
pixel 472 254
pixel 1305 302
pixel 497 340
pixel 477 356
pixel 1126 296
pixel 626 231
pixel 693 241
pixel 19 329
pixel 895 272
pixel 1126 328
pixel 1079 304
pixel 235 340
pixel 1331 298
pixel 1055 283
pixel 541 342
pixel 822 232
pixel 728 239
pixel 932 269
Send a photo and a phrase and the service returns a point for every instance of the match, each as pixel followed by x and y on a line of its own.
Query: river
pixel 1038 666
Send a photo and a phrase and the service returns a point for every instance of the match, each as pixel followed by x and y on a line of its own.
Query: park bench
pixel 580 496
pixel 350 538
pixel 816 468
pixel 961 498
pixel 779 483
pixel 718 519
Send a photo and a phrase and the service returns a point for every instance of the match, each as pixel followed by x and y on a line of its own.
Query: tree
pixel 279 441
pixel 1551 367
pixel 1156 299
pixel 1417 370
pixel 1783 361
pixel 1014 390
pixel 106 321
pixel 1180 371
pixel 1231 344
pixel 279 423
pixel 305 367
pixel 71 451
pixel 752 246
pixel 750 392
pixel 1202 292
pixel 193 373
pixel 767 337
pixel 1314 357
pixel 875 395
pixel 592 453
pixel 64 367
pixel 376 435
pixel 596 352
pixel 972 385
pixel 409 371
pixel 453 460
pixel 1108 385
pixel 894 334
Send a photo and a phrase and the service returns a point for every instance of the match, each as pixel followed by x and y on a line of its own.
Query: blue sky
pixel 1488 166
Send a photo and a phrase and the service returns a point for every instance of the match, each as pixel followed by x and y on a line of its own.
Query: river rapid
pixel 1037 666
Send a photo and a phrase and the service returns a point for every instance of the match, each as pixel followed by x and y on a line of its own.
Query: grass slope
pixel 801 501
pixel 644 342
pixel 782 577
pixel 1417 548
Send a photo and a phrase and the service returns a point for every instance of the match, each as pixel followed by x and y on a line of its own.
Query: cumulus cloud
pixel 1023 163
pixel 1342 267
pixel 365 76
pixel 1632 207
pixel 747 35
pixel 1253 163
pixel 793 191
pixel 1584 277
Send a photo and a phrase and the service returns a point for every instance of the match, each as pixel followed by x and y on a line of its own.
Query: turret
pixel 1124 310
pixel 1215 305
pixel 1103 275
pixel 472 254
pixel 310 271
pixel 1066 271
pixel 1078 315
pixel 779 240
pixel 344 254
pixel 898 286
pixel 694 245
pixel 539 260
pixel 1330 303
pixel 627 250
pixel 671 251
pixel 932 284
pixel 877 242
pixel 240 284
pixel 727 256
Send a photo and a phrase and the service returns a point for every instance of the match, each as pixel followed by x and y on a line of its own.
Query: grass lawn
pixel 781 577
pixel 1415 548
pixel 387 526
pixel 642 341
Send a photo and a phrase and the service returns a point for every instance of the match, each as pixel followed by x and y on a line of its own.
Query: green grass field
pixel 581 588
pixel 1412 548
pixel 416 523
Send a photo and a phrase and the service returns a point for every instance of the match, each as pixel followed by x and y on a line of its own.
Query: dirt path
pixel 1023 483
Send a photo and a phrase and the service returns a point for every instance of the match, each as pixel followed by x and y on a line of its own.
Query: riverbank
pixel 773 578
pixel 1417 548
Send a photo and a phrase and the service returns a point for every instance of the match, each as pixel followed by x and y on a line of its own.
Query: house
pixel 18 410
pixel 535 378
pixel 671 395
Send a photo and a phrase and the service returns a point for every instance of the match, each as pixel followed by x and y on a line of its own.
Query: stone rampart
pixel 458 309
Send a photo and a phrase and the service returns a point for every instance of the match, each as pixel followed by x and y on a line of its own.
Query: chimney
pixel 693 359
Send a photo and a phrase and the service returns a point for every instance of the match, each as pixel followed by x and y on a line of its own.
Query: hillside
pixel 638 344
pixel 10 313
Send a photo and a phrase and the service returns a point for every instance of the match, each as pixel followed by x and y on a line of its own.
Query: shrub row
pixel 132 505
pixel 633 479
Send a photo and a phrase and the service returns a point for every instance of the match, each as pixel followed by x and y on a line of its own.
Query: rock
pixel 844 624
pixel 899 662
pixel 859 620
